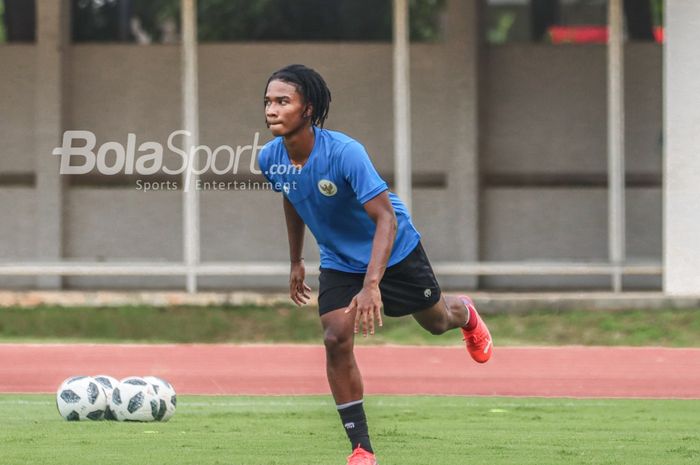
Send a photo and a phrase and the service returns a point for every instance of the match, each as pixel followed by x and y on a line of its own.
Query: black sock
pixel 353 417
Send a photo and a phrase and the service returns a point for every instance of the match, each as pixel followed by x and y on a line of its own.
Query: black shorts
pixel 407 287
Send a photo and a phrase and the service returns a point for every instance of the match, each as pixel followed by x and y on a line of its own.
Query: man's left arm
pixel 368 302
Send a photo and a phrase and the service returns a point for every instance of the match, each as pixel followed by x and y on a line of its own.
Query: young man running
pixel 370 251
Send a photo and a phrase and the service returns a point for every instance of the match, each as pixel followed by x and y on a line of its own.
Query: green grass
pixel 405 431
pixel 675 328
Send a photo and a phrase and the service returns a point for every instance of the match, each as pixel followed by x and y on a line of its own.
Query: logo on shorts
pixel 327 187
pixel 427 293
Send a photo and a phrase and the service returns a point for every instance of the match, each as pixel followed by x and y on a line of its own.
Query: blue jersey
pixel 329 192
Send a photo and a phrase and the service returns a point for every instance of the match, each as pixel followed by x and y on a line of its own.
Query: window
pixel 569 21
pixel 157 21
pixel 18 21
pixel 142 21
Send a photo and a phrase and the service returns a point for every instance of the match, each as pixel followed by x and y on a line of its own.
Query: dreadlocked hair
pixel 310 85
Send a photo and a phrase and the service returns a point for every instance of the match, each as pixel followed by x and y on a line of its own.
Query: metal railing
pixel 117 268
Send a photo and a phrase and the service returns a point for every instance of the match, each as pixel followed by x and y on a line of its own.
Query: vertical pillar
pixel 463 42
pixel 52 42
pixel 402 104
pixel 190 112
pixel 681 155
pixel 616 142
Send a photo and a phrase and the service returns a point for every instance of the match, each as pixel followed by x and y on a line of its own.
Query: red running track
pixel 299 369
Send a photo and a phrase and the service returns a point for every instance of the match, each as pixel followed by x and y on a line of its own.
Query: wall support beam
pixel 52 44
pixel 682 149
pixel 190 112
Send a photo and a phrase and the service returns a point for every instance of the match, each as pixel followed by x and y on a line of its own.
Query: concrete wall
pixel 557 224
pixel 544 161
pixel 546 109
pixel 147 100
pixel 542 112
pixel 117 89
pixel 18 200
pixel 16 107
pixel 17 230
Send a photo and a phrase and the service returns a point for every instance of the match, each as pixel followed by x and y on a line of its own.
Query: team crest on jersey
pixel 327 187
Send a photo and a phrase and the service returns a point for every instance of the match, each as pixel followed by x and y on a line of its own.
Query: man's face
pixel 285 111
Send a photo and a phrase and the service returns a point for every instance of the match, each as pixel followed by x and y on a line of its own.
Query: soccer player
pixel 370 251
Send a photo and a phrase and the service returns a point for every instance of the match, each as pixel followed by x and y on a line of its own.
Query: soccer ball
pixel 108 384
pixel 81 398
pixel 166 394
pixel 134 399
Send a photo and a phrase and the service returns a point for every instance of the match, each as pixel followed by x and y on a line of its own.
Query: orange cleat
pixel 361 457
pixel 479 342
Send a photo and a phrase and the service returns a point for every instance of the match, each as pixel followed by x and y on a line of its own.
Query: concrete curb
pixel 487 302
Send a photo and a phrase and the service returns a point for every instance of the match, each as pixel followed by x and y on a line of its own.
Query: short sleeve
pixel 264 162
pixel 359 172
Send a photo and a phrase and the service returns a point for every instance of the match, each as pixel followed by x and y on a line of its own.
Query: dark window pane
pixel 569 21
pixel 18 21
pixel 157 21
pixel 142 21
pixel 508 21
pixel 640 23
pixel 94 20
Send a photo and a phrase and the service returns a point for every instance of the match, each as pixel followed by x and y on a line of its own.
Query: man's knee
pixel 337 341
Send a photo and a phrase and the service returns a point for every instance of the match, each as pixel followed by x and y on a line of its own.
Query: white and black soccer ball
pixel 108 384
pixel 134 399
pixel 81 398
pixel 166 394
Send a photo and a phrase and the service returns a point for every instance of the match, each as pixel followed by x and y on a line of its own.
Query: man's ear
pixel 308 111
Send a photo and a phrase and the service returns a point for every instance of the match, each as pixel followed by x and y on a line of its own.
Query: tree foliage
pixel 243 20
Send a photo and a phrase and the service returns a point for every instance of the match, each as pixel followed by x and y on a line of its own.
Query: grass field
pixel 406 431
pixel 675 328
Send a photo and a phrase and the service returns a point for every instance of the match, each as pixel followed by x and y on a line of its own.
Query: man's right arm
pixel 295 231
pixel 298 289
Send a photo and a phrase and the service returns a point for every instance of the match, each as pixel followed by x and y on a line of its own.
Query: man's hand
pixel 367 305
pixel 299 291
